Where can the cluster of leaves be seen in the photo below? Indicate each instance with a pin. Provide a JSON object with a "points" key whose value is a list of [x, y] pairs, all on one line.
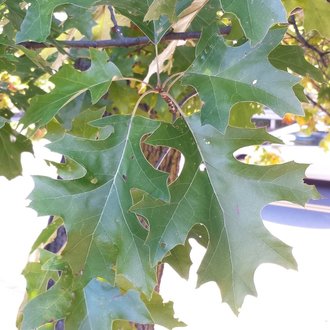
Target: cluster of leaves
{"points": [[121, 216]]}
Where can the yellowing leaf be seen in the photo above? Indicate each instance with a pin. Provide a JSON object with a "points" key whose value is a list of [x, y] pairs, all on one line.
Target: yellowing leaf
{"points": [[316, 14]]}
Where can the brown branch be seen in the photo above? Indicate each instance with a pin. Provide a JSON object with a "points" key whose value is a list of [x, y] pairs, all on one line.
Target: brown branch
{"points": [[119, 42], [305, 43], [317, 104]]}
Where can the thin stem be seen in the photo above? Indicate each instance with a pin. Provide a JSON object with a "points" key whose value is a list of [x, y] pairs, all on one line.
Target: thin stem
{"points": [[317, 104], [163, 155], [116, 28], [133, 79], [178, 74], [301, 39], [157, 64], [170, 78], [140, 99], [175, 103], [187, 98]]}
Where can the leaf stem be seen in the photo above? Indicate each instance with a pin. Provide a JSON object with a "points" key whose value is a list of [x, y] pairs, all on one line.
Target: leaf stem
{"points": [[133, 79], [116, 28], [157, 64], [141, 98], [173, 100], [178, 75]]}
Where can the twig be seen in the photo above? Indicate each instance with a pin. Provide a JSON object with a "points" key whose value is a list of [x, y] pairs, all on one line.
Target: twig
{"points": [[317, 105], [116, 28], [119, 42], [301, 39], [186, 98]]}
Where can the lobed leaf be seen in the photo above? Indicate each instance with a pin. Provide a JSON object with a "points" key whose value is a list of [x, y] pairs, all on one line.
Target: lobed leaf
{"points": [[99, 304], [104, 238], [12, 145], [256, 16], [226, 196], [293, 58], [71, 83], [159, 8], [37, 22], [224, 76]]}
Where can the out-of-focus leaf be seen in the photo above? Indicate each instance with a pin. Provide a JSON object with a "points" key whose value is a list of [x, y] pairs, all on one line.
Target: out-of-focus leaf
{"points": [[136, 10], [224, 76], [37, 22], [292, 57], [12, 144], [70, 83], [316, 14], [79, 18], [218, 191], [159, 8], [3, 121]]}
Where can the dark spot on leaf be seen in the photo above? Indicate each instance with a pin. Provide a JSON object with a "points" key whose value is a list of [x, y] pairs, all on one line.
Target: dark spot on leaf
{"points": [[124, 177]]}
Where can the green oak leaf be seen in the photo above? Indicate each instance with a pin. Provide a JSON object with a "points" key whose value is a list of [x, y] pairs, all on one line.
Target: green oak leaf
{"points": [[293, 58], [139, 11], [256, 16], [71, 83], [80, 18], [161, 7], [136, 10], [104, 238], [99, 304], [81, 126], [162, 313], [224, 76], [37, 22], [226, 196], [47, 234], [316, 14], [179, 259], [12, 145], [241, 113], [53, 304]]}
